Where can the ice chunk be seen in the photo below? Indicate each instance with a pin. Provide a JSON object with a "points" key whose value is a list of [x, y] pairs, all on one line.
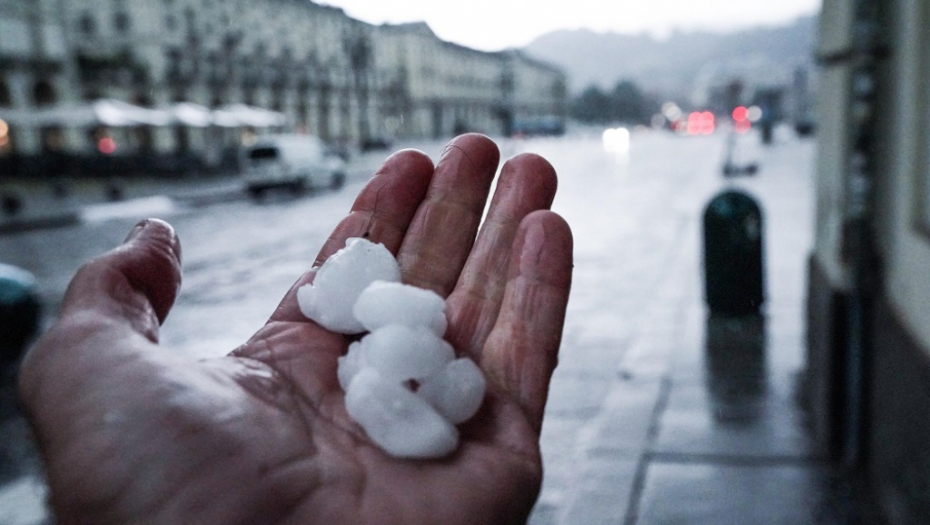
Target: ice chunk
{"points": [[397, 420], [401, 352], [456, 390], [384, 303], [349, 365], [338, 283]]}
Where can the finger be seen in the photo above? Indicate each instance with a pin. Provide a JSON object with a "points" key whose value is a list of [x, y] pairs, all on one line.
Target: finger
{"points": [[527, 183], [133, 285], [522, 349], [443, 229], [381, 213]]}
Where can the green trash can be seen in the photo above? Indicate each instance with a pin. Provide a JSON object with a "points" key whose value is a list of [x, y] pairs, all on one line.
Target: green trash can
{"points": [[733, 259], [20, 312]]}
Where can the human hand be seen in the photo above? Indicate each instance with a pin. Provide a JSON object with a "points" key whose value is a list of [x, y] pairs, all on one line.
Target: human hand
{"points": [[132, 433]]}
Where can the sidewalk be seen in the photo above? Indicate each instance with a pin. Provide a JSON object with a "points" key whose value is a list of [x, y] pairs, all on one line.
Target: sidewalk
{"points": [[696, 421], [50, 203]]}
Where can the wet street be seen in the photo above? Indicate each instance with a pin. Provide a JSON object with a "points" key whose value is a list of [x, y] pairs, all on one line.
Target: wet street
{"points": [[240, 257], [656, 415]]}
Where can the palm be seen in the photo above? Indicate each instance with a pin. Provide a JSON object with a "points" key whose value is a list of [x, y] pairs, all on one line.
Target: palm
{"points": [[262, 435]]}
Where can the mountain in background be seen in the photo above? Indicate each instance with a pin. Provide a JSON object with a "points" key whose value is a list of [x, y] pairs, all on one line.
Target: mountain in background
{"points": [[683, 66]]}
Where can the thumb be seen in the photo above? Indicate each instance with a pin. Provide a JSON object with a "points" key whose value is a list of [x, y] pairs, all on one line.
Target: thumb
{"points": [[135, 283]]}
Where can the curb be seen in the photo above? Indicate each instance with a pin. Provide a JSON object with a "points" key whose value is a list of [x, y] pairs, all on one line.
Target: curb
{"points": [[70, 218], [39, 223], [193, 199]]}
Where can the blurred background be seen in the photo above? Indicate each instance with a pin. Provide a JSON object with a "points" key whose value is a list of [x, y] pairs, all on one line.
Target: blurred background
{"points": [[746, 338]]}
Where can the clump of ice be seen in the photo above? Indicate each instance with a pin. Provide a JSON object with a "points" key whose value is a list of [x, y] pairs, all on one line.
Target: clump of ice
{"points": [[341, 279], [456, 390], [384, 303], [401, 353], [402, 423], [403, 384]]}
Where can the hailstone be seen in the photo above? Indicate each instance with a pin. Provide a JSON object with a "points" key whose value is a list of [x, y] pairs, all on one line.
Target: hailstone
{"points": [[456, 390], [397, 420], [340, 280], [384, 303]]}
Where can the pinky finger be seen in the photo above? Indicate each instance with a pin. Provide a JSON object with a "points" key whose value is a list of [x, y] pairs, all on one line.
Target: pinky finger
{"points": [[522, 350]]}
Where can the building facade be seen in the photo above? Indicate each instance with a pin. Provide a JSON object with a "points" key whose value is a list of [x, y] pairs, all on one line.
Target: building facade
{"points": [[868, 374], [35, 65], [333, 76]]}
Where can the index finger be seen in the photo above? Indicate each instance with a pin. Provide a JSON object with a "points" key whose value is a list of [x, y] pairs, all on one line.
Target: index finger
{"points": [[381, 213]]}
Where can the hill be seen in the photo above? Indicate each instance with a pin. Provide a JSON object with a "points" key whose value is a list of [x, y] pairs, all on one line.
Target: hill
{"points": [[683, 65]]}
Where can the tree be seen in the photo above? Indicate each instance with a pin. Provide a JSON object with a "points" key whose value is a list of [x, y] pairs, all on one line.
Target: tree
{"points": [[624, 103], [593, 105], [628, 103]]}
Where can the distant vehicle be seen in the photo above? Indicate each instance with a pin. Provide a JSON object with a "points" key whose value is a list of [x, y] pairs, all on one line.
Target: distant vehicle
{"points": [[296, 162], [550, 126], [20, 312]]}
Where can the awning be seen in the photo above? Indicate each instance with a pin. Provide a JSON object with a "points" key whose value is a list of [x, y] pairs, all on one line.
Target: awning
{"points": [[106, 112], [116, 113], [191, 114], [235, 115]]}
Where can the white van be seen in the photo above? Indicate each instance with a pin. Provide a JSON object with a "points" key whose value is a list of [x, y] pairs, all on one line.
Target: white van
{"points": [[297, 162]]}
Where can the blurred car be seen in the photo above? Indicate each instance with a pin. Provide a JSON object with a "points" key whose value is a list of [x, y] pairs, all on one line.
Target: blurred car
{"points": [[296, 162], [20, 312]]}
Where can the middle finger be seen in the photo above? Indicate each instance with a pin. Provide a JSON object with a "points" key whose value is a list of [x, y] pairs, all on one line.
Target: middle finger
{"points": [[443, 230]]}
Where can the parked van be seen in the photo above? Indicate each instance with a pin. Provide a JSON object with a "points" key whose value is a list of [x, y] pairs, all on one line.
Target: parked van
{"points": [[296, 162]]}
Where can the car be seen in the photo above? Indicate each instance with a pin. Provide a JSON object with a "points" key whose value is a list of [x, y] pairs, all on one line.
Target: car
{"points": [[20, 312], [293, 161]]}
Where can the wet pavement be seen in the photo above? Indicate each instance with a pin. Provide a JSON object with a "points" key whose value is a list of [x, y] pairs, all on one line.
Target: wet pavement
{"points": [[658, 412]]}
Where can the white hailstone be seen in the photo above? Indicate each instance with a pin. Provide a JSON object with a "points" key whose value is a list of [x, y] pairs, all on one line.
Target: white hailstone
{"points": [[338, 283], [397, 420], [456, 390], [400, 353], [384, 303], [349, 365]]}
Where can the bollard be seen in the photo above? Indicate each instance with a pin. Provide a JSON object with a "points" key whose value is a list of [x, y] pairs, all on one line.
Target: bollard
{"points": [[19, 312], [733, 265]]}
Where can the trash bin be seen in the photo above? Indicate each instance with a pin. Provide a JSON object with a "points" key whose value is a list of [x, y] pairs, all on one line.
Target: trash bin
{"points": [[733, 264], [19, 312]]}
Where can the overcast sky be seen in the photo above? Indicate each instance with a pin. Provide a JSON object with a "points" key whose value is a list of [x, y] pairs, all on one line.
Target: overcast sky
{"points": [[492, 25]]}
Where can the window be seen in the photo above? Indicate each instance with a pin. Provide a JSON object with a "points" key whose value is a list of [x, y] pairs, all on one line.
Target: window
{"points": [[86, 25], [121, 22], [5, 99]]}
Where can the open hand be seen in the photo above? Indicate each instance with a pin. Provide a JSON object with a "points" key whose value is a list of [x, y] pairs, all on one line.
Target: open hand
{"points": [[132, 433]]}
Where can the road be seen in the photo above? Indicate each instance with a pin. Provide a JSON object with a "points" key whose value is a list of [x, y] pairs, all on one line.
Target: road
{"points": [[632, 215], [241, 256]]}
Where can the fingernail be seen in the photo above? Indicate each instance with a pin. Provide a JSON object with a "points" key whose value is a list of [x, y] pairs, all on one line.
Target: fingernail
{"points": [[137, 230], [153, 229]]}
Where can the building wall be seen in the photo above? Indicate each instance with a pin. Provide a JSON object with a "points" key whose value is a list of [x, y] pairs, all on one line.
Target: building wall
{"points": [[900, 386], [34, 69], [903, 221], [895, 300], [334, 76], [829, 280]]}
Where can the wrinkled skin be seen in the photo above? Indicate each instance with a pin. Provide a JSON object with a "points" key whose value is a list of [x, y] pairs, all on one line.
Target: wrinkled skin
{"points": [[132, 433]]}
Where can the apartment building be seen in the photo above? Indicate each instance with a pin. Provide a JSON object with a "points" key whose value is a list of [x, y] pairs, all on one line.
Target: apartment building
{"points": [[331, 75]]}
